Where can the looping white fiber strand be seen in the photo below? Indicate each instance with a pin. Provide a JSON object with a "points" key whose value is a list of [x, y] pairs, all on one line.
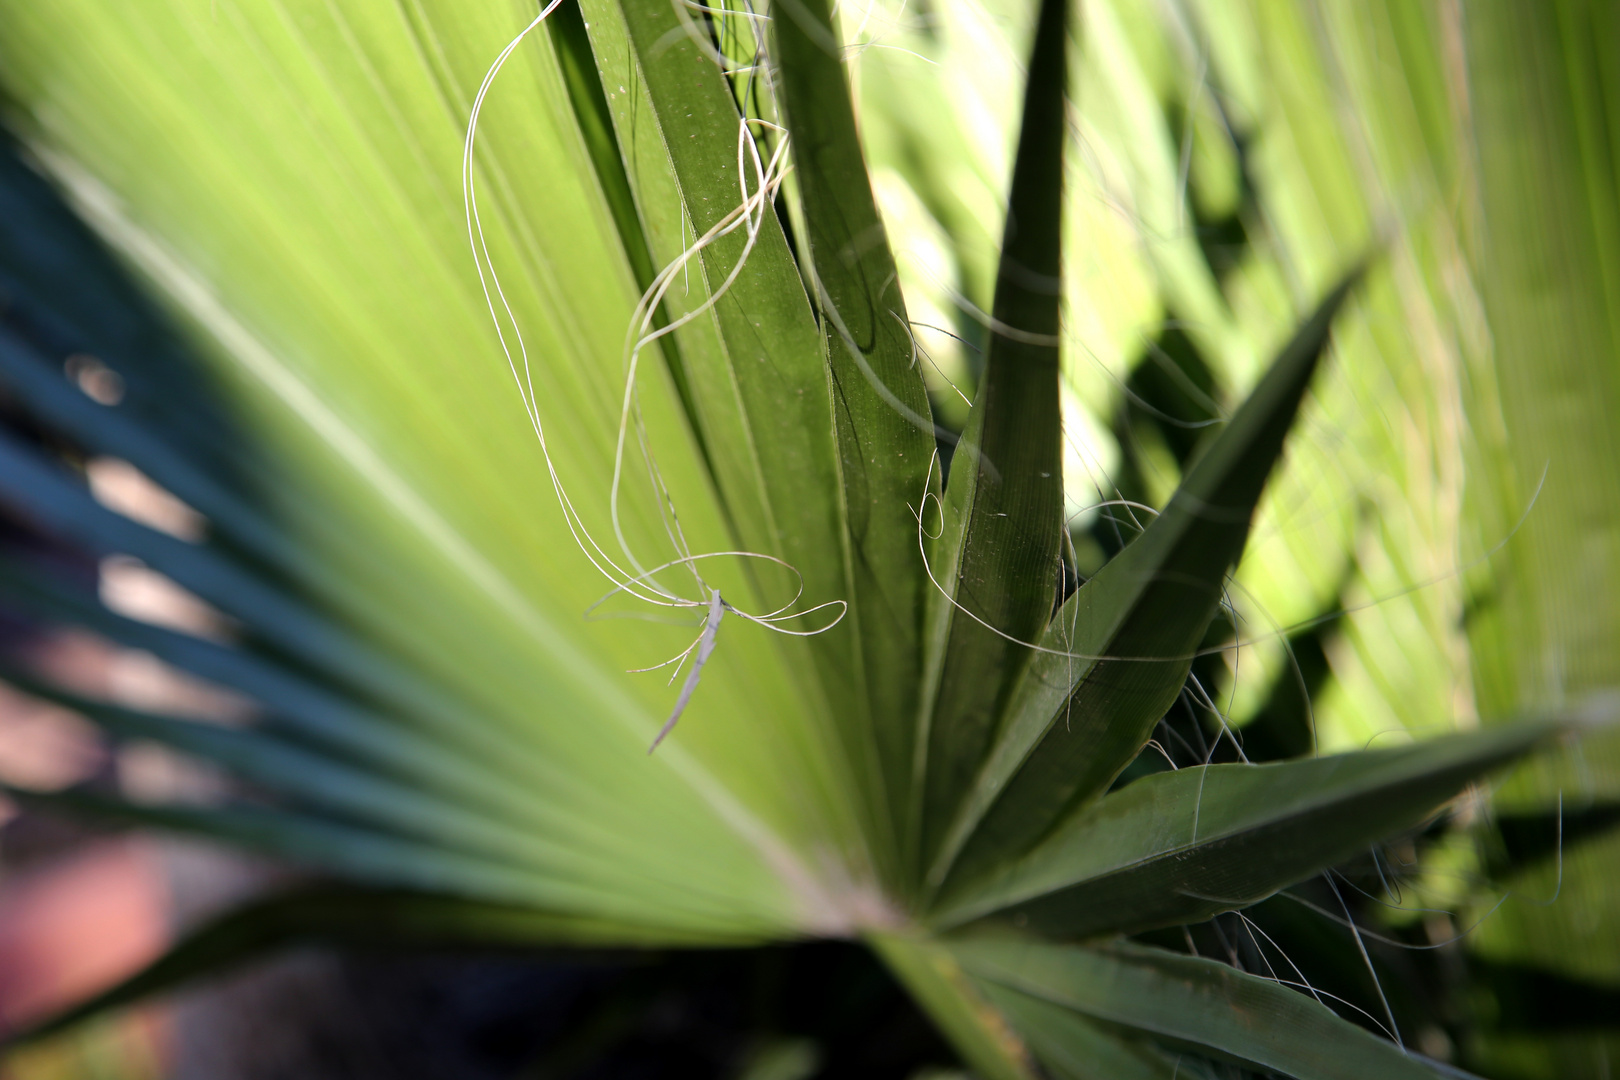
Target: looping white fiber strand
{"points": [[705, 45], [758, 179], [922, 536]]}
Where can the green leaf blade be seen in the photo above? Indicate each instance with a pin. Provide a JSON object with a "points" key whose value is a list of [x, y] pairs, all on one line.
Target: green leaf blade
{"points": [[756, 366], [997, 563], [1189, 1000], [286, 177], [1074, 1048], [1181, 847], [880, 404], [455, 809], [974, 1027], [1120, 647]]}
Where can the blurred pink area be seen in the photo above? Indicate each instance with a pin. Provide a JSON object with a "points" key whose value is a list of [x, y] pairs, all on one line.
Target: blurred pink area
{"points": [[78, 924], [80, 908], [44, 746], [78, 911]]}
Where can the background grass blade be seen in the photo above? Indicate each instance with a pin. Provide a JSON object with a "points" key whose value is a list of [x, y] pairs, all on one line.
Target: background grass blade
{"points": [[880, 405], [1180, 847], [1078, 720], [1196, 1002], [997, 559]]}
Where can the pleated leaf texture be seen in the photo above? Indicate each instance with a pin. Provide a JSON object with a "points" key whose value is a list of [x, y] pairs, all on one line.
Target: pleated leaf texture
{"points": [[254, 216]]}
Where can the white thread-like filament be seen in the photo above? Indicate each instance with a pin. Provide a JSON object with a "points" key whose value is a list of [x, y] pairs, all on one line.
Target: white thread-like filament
{"points": [[758, 179]]}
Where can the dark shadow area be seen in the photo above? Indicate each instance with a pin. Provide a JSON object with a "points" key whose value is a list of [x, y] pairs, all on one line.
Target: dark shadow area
{"points": [[1529, 999], [829, 1009], [1528, 838], [1223, 240]]}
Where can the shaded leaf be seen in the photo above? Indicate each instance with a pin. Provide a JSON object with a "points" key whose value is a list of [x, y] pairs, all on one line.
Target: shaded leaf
{"points": [[978, 1032], [997, 557], [296, 702], [1196, 1002], [425, 807], [56, 500], [388, 859], [39, 385], [1180, 847], [1073, 1048], [880, 405]]}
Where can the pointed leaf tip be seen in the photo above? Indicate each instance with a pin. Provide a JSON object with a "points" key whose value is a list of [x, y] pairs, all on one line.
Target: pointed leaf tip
{"points": [[1117, 653], [881, 415], [997, 562], [1180, 847]]}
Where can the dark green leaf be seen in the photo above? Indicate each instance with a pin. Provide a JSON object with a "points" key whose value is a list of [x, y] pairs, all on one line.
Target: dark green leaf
{"points": [[1196, 1002], [997, 558], [571, 40], [990, 1046], [1073, 1048], [1179, 847], [1120, 647], [766, 371], [880, 406]]}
